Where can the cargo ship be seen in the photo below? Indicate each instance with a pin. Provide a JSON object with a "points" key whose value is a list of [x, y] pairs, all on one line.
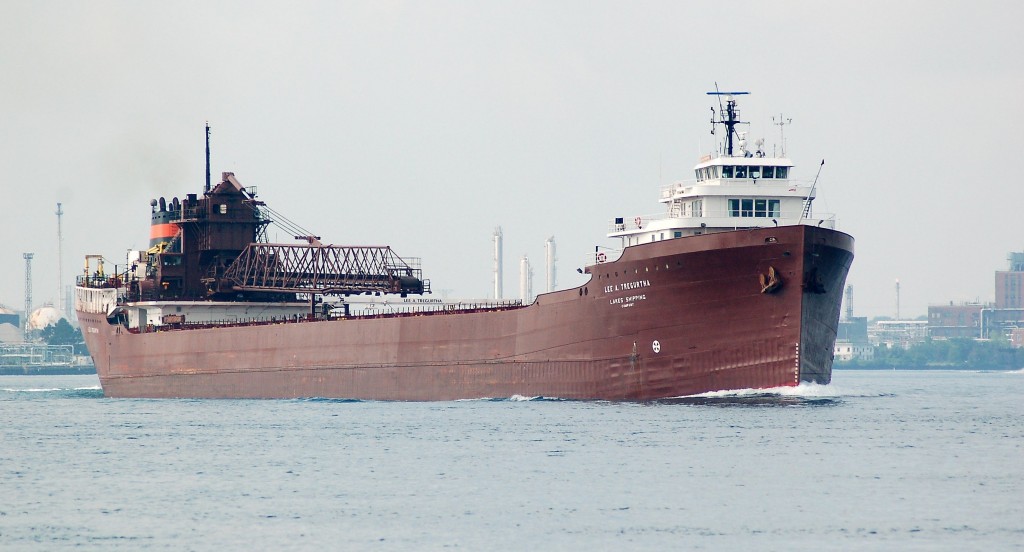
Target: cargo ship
{"points": [[737, 284]]}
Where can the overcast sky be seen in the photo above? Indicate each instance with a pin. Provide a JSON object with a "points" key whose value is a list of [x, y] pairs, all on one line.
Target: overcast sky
{"points": [[423, 125]]}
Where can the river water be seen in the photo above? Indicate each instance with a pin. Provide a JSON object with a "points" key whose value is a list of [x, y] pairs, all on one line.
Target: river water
{"points": [[912, 460]]}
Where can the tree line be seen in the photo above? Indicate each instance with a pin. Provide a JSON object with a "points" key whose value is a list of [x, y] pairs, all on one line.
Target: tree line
{"points": [[962, 353], [63, 333]]}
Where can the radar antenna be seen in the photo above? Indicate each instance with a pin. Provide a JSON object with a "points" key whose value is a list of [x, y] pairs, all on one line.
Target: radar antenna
{"points": [[782, 135], [731, 116]]}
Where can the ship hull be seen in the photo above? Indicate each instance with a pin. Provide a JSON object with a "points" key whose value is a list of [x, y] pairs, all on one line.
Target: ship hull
{"points": [[667, 319]]}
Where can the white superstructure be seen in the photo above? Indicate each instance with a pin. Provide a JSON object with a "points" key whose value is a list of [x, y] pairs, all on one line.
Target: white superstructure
{"points": [[732, 189]]}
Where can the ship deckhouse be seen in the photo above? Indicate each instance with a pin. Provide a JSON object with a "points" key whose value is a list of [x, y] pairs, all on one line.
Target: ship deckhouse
{"points": [[733, 189]]}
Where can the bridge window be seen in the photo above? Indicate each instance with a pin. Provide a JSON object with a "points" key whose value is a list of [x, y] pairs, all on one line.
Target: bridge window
{"points": [[768, 172], [781, 172], [726, 171], [741, 171], [755, 172], [761, 208]]}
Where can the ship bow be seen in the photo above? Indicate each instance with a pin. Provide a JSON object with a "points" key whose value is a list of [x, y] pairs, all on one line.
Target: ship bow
{"points": [[827, 258]]}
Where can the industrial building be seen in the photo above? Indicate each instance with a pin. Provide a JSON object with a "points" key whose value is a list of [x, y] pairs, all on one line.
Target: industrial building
{"points": [[852, 340], [1004, 318], [852, 335]]}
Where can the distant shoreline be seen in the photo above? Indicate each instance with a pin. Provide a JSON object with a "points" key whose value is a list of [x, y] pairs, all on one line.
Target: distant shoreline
{"points": [[844, 366]]}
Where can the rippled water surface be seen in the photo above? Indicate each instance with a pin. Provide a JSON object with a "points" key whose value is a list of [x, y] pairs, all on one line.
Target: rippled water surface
{"points": [[876, 460]]}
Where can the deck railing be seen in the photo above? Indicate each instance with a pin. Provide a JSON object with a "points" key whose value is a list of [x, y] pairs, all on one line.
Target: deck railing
{"points": [[724, 218]]}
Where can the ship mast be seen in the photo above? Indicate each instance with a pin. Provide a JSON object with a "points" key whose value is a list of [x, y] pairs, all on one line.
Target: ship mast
{"points": [[729, 116]]}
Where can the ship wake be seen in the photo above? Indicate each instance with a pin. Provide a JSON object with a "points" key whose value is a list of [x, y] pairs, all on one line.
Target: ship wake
{"points": [[805, 394], [90, 392], [513, 398]]}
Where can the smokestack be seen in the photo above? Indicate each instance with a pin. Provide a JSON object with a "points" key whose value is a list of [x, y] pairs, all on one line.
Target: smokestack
{"points": [[549, 262], [497, 263], [60, 261], [207, 156], [28, 290], [525, 280], [849, 303], [897, 299]]}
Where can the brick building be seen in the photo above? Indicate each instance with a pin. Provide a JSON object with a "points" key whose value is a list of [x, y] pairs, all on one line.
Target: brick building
{"points": [[948, 321]]}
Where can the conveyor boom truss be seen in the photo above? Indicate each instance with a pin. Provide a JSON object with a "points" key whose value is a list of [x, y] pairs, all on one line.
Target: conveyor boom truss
{"points": [[318, 268]]}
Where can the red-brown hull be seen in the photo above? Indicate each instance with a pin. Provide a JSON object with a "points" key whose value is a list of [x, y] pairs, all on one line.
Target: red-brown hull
{"points": [[669, 318]]}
